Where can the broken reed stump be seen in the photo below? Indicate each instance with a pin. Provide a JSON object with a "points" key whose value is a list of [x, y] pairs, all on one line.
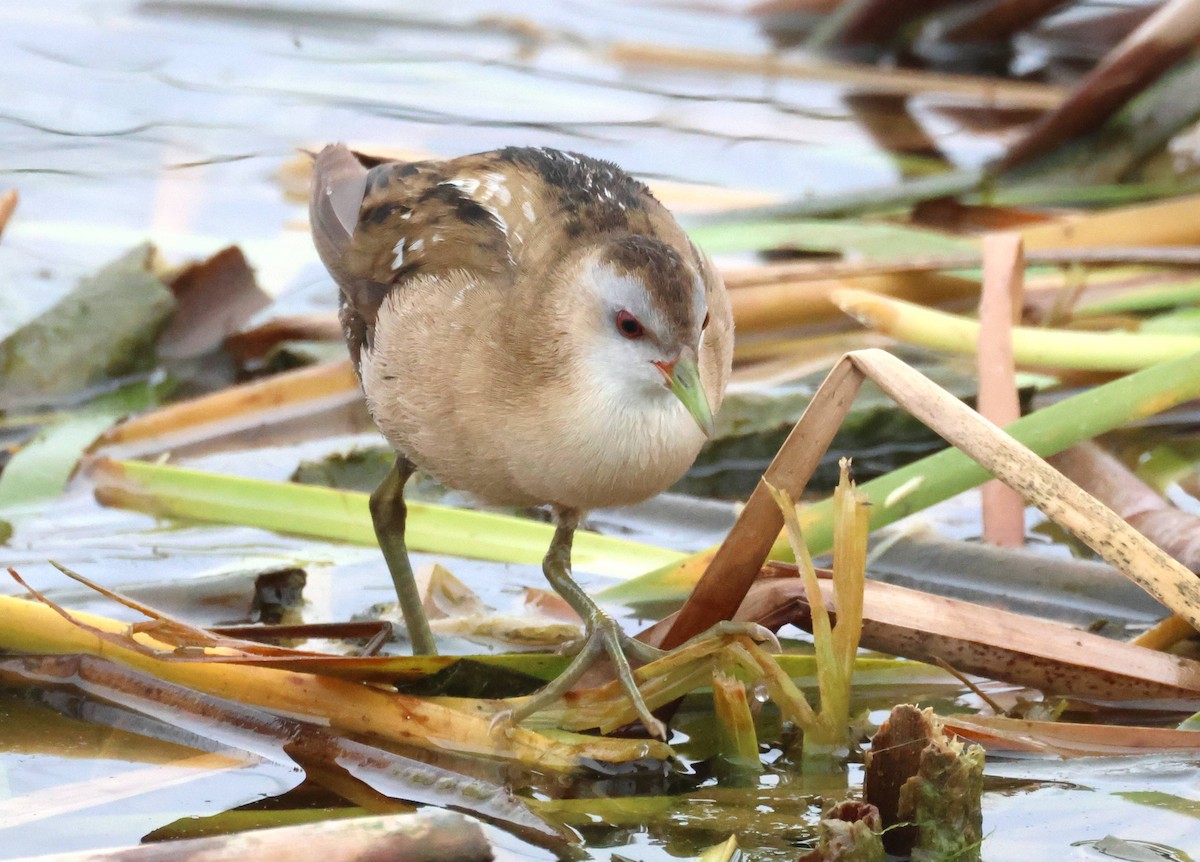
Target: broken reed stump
{"points": [[849, 832], [927, 786]]}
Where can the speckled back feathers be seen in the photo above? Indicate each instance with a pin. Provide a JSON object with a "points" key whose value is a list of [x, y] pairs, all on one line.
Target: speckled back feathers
{"points": [[496, 213]]}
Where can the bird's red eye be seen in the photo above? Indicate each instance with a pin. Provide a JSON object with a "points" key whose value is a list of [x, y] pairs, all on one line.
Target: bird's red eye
{"points": [[629, 325]]}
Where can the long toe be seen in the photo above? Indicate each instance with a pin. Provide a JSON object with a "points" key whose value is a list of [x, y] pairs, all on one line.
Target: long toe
{"points": [[603, 636], [727, 628]]}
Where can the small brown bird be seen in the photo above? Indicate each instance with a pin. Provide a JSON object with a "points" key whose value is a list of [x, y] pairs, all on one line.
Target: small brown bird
{"points": [[531, 326]]}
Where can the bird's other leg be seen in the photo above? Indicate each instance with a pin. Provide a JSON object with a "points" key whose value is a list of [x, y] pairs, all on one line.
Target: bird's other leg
{"points": [[602, 634], [389, 514]]}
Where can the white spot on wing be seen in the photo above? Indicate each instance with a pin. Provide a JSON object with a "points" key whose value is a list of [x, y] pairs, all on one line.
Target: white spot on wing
{"points": [[467, 185], [527, 208], [398, 248], [494, 187], [416, 245]]}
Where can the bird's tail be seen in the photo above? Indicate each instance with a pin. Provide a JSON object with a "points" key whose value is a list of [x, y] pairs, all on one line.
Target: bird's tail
{"points": [[338, 184]]}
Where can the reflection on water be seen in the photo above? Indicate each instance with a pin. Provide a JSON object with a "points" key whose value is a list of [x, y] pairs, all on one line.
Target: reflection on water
{"points": [[177, 115]]}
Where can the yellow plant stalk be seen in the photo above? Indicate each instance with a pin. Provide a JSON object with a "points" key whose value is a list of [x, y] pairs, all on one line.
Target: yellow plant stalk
{"points": [[32, 627], [835, 645], [1051, 348], [735, 722], [852, 523]]}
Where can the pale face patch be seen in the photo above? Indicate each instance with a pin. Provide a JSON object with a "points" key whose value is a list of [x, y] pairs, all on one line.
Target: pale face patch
{"points": [[618, 291], [626, 366]]}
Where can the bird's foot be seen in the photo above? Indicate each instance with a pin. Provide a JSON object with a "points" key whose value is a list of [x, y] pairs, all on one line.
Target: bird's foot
{"points": [[501, 723], [633, 648], [603, 635]]}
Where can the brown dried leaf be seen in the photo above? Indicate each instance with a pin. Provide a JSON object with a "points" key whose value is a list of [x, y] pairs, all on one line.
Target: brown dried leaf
{"points": [[214, 298], [1000, 645], [257, 342], [1068, 739], [1166, 37]]}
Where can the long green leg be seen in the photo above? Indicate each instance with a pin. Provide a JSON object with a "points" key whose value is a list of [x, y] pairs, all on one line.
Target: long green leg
{"points": [[602, 634], [389, 514]]}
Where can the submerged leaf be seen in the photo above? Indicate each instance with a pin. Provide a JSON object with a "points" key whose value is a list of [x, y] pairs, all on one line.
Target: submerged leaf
{"points": [[106, 327], [469, 678], [1167, 801], [40, 469], [1129, 850]]}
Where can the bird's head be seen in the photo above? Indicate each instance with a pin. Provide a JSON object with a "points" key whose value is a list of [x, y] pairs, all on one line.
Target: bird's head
{"points": [[648, 317]]}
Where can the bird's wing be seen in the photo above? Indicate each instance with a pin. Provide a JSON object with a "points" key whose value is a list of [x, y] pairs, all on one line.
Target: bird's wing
{"points": [[489, 215], [380, 227]]}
